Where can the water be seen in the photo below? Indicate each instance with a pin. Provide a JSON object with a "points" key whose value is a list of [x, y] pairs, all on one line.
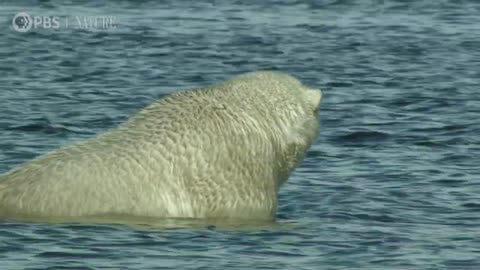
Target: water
{"points": [[391, 183]]}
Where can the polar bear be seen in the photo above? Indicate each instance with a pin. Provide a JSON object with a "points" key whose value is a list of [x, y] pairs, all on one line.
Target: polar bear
{"points": [[218, 152]]}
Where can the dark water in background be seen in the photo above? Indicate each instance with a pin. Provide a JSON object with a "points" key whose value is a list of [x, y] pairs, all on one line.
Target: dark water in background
{"points": [[392, 182]]}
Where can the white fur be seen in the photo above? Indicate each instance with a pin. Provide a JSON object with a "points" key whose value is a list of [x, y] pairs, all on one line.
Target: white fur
{"points": [[218, 152]]}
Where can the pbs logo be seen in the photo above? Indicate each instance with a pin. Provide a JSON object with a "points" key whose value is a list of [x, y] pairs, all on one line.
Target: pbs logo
{"points": [[23, 22]]}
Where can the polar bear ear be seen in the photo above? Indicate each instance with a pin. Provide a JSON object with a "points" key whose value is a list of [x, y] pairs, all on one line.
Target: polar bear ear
{"points": [[314, 98]]}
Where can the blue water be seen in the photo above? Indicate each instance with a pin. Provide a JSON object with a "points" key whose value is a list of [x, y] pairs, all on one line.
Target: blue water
{"points": [[393, 181]]}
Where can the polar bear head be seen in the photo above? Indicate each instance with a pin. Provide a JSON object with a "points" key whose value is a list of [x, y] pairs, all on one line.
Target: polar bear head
{"points": [[285, 109]]}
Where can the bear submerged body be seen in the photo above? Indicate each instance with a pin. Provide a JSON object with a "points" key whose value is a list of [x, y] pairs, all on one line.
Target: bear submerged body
{"points": [[217, 152]]}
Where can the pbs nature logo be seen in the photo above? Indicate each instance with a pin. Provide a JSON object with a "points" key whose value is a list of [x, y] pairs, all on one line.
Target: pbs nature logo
{"points": [[23, 22]]}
